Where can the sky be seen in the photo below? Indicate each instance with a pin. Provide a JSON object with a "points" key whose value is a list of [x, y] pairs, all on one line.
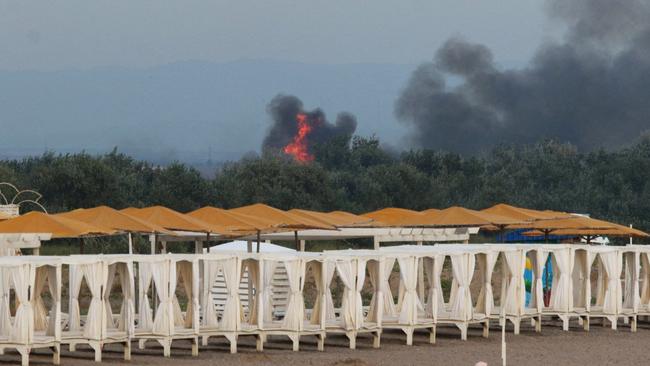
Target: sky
{"points": [[81, 34], [185, 79]]}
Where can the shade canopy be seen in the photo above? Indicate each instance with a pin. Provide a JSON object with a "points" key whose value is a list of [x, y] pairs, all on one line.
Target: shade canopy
{"points": [[460, 216], [281, 219], [583, 226], [174, 220], [58, 226], [108, 217], [232, 221], [4, 216], [337, 218], [524, 214], [393, 216]]}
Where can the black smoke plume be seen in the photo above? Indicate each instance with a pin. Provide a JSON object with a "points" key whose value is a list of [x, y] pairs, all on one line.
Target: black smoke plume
{"points": [[283, 110], [591, 89]]}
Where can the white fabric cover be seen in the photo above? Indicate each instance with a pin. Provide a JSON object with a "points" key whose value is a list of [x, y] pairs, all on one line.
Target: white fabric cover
{"points": [[232, 307], [515, 295], [538, 259], [323, 273], [23, 278], [94, 326], [164, 278], [435, 300], [561, 295], [145, 316], [631, 299], [610, 261], [463, 269], [485, 301], [293, 318], [210, 273], [408, 269]]}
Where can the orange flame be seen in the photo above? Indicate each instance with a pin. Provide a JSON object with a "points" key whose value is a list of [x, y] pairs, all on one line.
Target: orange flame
{"points": [[298, 147]]}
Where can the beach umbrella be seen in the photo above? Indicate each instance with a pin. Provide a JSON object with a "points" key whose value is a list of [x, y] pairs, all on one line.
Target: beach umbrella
{"points": [[393, 216], [282, 219], [524, 214], [352, 219], [233, 221], [337, 218], [460, 216], [174, 220], [111, 218], [58, 226]]}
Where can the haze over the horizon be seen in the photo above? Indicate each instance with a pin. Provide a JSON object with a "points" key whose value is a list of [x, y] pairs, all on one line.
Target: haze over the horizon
{"points": [[186, 78]]}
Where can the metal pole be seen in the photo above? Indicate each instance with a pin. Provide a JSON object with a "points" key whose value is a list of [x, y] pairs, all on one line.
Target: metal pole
{"points": [[259, 240], [130, 236], [296, 241]]}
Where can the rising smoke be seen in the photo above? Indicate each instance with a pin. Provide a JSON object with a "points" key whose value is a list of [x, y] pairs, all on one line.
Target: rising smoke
{"points": [[591, 89], [284, 110]]}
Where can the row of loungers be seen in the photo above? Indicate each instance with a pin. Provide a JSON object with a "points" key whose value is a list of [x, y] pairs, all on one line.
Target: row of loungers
{"points": [[168, 297]]}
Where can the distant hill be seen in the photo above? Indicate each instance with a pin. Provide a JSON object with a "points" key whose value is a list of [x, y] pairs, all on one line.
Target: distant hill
{"points": [[190, 111]]}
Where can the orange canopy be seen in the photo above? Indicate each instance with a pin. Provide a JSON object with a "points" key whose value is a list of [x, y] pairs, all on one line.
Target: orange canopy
{"points": [[233, 221], [282, 219], [460, 216], [581, 225], [108, 217], [336, 218], [393, 216], [524, 214], [352, 219], [174, 220], [58, 226], [590, 232]]}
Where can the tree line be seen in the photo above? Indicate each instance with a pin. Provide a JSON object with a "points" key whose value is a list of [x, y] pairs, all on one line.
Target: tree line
{"points": [[358, 175]]}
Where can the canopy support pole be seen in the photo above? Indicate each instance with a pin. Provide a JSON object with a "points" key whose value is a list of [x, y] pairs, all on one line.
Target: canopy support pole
{"points": [[303, 245], [130, 238], [420, 276], [249, 246], [296, 241], [259, 240], [82, 245], [152, 242]]}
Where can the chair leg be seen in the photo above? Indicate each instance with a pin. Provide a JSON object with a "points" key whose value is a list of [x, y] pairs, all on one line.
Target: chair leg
{"points": [[352, 337], [295, 339], [142, 343], [195, 346], [127, 350], [98, 351], [321, 341], [56, 354], [376, 339], [259, 342], [204, 340], [517, 324], [585, 324], [24, 355], [538, 324], [463, 331], [232, 339], [486, 329], [409, 336], [432, 335]]}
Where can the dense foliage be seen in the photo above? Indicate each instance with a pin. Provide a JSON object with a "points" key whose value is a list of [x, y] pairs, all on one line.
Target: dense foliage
{"points": [[358, 176]]}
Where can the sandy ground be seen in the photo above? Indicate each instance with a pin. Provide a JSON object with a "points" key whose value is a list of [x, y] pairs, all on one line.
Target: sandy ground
{"points": [[600, 346]]}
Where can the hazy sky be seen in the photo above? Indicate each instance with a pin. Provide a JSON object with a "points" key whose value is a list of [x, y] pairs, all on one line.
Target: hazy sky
{"points": [[71, 34]]}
